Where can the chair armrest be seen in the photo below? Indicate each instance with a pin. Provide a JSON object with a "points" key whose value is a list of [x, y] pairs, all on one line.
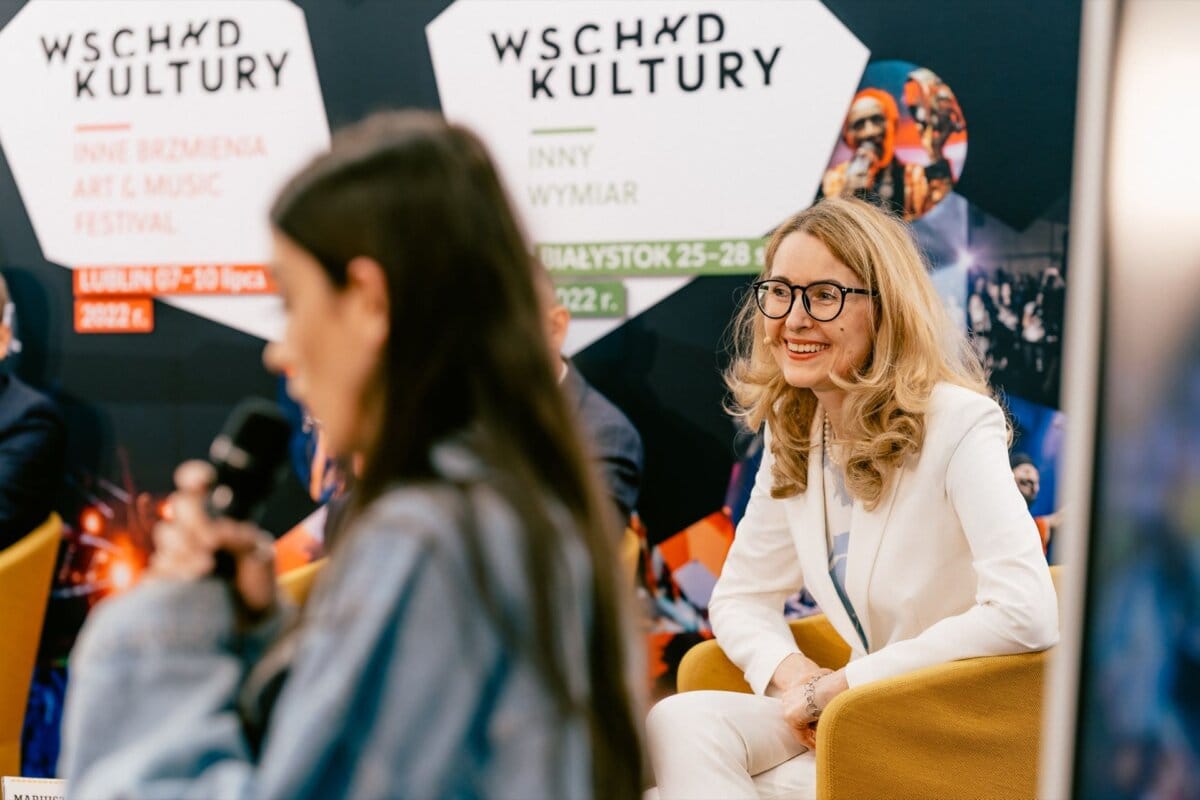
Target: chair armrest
{"points": [[962, 729], [817, 639], [296, 584], [706, 666]]}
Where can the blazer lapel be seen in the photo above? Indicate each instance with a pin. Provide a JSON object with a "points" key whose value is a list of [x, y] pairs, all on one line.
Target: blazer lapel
{"points": [[806, 512], [866, 535]]}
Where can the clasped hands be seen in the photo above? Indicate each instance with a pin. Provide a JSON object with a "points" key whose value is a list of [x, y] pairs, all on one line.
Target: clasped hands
{"points": [[792, 678]]}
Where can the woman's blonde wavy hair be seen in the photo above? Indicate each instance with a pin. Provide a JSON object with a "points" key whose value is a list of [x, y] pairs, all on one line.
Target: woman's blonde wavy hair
{"points": [[914, 347]]}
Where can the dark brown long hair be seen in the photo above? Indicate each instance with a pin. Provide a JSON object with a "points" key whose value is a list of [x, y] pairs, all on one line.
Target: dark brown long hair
{"points": [[466, 350]]}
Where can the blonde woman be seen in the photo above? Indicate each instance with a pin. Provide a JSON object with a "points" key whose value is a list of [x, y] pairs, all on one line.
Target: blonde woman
{"points": [[884, 490]]}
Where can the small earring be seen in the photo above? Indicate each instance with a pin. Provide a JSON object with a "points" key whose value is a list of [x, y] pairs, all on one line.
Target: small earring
{"points": [[768, 341]]}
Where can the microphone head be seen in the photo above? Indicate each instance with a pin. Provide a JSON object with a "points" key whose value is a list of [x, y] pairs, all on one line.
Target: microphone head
{"points": [[248, 455], [868, 149]]}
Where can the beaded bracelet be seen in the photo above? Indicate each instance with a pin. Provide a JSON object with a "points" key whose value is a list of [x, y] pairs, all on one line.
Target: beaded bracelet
{"points": [[810, 693]]}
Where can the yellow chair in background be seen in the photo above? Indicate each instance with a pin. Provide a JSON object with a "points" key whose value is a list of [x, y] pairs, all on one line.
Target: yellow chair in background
{"points": [[631, 551], [26, 574], [964, 729], [297, 583]]}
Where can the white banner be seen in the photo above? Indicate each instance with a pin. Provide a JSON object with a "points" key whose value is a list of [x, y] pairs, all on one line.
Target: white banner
{"points": [[674, 130], [156, 134]]}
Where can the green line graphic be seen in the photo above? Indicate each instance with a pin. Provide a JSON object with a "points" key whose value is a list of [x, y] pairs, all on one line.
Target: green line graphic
{"points": [[557, 131]]}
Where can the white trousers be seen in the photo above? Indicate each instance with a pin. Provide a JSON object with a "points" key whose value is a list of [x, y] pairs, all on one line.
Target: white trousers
{"points": [[727, 746]]}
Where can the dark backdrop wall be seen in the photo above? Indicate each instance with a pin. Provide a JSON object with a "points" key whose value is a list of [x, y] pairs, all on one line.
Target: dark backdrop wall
{"points": [[138, 404]]}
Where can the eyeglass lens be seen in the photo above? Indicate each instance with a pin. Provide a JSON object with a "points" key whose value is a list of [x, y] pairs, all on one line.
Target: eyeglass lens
{"points": [[823, 301]]}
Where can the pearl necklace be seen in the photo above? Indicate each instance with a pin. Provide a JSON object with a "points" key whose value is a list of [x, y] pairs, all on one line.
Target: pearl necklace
{"points": [[827, 440]]}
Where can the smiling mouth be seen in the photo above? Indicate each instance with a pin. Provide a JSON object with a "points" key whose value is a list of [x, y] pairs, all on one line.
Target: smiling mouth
{"points": [[806, 348]]}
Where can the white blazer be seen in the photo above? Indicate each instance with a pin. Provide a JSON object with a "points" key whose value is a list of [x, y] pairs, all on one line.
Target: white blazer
{"points": [[949, 565]]}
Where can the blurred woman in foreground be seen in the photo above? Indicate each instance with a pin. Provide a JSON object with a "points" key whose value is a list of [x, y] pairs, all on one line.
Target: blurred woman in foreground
{"points": [[465, 640]]}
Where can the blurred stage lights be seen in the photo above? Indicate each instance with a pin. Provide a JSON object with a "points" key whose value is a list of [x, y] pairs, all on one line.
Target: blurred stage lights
{"points": [[92, 521]]}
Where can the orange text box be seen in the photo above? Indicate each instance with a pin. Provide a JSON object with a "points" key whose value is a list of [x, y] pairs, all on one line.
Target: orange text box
{"points": [[218, 279], [114, 315]]}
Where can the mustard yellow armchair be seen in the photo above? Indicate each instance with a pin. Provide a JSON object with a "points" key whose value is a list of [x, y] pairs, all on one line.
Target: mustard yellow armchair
{"points": [[630, 552], [965, 729], [26, 573], [295, 584]]}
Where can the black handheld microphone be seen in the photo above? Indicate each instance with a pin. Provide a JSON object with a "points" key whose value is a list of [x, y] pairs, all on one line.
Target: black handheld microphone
{"points": [[248, 455]]}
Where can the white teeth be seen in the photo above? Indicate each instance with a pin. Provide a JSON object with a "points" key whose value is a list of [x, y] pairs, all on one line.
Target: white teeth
{"points": [[807, 348]]}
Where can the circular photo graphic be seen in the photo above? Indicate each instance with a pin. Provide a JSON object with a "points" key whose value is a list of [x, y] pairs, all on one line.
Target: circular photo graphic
{"points": [[903, 142]]}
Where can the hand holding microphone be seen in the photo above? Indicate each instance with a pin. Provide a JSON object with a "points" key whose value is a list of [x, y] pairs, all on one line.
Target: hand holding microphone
{"points": [[859, 171], [207, 531]]}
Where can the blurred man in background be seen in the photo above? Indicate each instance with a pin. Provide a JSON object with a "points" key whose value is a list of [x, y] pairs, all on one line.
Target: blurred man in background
{"points": [[32, 444], [614, 442], [1029, 483]]}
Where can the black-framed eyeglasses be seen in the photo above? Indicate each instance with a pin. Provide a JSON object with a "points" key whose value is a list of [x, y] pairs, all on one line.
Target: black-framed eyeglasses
{"points": [[822, 300]]}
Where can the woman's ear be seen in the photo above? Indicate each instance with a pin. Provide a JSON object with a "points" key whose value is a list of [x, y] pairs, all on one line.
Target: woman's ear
{"points": [[366, 299]]}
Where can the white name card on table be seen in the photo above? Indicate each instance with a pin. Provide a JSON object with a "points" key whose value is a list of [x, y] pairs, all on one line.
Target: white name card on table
{"points": [[14, 788]]}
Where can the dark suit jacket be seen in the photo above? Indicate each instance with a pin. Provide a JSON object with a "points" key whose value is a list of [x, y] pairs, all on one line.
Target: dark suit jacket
{"points": [[32, 453], [614, 441]]}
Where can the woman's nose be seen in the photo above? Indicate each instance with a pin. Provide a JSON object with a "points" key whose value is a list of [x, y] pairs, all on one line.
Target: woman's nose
{"points": [[798, 317]]}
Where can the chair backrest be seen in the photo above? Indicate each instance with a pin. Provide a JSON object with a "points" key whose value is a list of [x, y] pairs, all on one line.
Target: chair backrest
{"points": [[296, 584], [1058, 574], [631, 550], [26, 574]]}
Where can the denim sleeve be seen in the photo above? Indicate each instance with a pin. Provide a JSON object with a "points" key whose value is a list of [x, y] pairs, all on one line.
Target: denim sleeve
{"points": [[150, 706], [399, 686]]}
